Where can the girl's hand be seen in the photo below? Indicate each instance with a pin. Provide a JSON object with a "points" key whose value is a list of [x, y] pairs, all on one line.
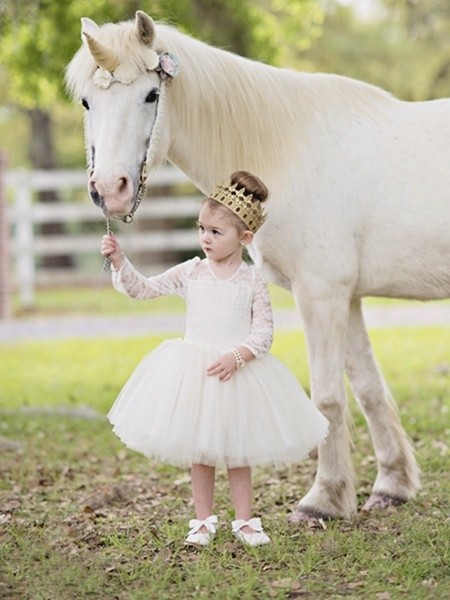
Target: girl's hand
{"points": [[110, 247], [224, 367]]}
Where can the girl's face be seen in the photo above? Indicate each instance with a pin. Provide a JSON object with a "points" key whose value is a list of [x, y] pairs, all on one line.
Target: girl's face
{"points": [[218, 235]]}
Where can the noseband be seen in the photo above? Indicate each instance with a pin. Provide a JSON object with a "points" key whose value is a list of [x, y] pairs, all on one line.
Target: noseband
{"points": [[139, 195]]}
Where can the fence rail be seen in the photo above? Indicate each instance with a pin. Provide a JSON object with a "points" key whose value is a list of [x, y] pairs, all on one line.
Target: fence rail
{"points": [[28, 245]]}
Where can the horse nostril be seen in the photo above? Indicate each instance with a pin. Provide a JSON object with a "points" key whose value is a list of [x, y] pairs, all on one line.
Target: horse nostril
{"points": [[97, 199], [93, 192], [123, 187], [110, 192]]}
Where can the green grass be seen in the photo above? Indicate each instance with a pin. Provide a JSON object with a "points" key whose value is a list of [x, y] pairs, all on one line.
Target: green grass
{"points": [[75, 371], [104, 300], [82, 517], [100, 300]]}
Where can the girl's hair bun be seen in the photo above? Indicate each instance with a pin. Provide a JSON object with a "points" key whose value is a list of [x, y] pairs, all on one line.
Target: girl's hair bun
{"points": [[251, 184]]}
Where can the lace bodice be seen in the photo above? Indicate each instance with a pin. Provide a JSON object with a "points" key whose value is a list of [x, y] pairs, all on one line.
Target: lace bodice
{"points": [[220, 312]]}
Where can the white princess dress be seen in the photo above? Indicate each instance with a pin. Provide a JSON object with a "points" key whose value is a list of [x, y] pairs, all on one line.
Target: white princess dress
{"points": [[170, 410]]}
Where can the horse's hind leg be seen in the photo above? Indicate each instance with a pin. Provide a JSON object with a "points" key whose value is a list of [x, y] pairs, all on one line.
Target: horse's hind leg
{"points": [[398, 474]]}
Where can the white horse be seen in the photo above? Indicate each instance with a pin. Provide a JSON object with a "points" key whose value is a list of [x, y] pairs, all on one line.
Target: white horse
{"points": [[360, 203]]}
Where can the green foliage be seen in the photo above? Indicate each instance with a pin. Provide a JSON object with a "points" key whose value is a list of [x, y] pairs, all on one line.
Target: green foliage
{"points": [[283, 28], [404, 48], [39, 39], [426, 25]]}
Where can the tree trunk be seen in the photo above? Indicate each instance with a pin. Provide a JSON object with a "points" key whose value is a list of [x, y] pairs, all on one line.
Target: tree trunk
{"points": [[42, 156]]}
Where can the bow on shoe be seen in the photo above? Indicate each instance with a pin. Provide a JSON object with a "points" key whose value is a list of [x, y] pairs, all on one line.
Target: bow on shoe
{"points": [[199, 538], [257, 537], [254, 523], [209, 523]]}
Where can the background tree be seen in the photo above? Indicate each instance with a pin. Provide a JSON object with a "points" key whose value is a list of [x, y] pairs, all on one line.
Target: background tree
{"points": [[426, 24], [403, 47]]}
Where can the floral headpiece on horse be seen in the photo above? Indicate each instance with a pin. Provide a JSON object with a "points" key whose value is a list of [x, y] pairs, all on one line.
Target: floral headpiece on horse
{"points": [[110, 70]]}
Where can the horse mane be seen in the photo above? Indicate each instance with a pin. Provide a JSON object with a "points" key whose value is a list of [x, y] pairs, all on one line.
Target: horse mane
{"points": [[250, 115], [246, 114]]}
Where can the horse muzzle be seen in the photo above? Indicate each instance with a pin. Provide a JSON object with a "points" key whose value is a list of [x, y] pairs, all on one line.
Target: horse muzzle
{"points": [[113, 194]]}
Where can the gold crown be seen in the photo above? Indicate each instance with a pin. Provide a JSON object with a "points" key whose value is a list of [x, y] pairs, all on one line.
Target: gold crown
{"points": [[251, 213]]}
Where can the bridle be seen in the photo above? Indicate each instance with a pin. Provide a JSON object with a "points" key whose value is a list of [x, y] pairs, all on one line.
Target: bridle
{"points": [[146, 166], [168, 68]]}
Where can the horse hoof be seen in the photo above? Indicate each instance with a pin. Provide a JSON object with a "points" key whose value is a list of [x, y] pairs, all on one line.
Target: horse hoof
{"points": [[382, 502], [311, 521], [298, 517]]}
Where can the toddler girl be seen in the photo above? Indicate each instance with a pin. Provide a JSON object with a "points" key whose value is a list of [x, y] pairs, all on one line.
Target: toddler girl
{"points": [[216, 397]]}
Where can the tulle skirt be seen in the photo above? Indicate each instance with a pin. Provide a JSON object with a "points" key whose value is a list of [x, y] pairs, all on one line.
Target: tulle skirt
{"points": [[170, 410]]}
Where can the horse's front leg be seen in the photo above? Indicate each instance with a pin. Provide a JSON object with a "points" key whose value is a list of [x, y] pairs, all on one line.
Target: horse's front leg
{"points": [[398, 474], [325, 319]]}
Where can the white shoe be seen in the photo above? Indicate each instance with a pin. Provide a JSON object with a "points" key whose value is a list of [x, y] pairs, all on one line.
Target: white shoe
{"points": [[257, 538], [199, 538]]}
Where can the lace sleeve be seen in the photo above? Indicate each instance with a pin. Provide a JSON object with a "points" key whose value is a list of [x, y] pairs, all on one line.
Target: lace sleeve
{"points": [[260, 337], [130, 282]]}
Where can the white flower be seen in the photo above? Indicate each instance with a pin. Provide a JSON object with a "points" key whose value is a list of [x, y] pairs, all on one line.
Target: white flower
{"points": [[103, 78], [151, 60]]}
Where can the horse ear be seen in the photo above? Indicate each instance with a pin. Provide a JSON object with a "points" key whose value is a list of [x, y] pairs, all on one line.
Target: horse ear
{"points": [[88, 26], [145, 27]]}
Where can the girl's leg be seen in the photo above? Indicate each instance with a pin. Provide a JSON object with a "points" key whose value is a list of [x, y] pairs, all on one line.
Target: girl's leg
{"points": [[202, 529], [202, 477], [241, 493]]}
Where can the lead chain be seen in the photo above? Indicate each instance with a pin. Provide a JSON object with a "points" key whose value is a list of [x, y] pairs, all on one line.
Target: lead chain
{"points": [[107, 261]]}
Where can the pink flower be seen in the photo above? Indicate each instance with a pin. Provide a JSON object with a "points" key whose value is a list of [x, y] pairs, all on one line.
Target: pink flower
{"points": [[168, 65]]}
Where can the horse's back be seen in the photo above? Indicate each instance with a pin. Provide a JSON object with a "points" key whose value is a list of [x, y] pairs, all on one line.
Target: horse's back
{"points": [[405, 247], [383, 196]]}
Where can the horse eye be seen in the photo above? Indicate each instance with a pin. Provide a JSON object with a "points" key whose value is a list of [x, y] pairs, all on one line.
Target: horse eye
{"points": [[84, 102], [152, 95]]}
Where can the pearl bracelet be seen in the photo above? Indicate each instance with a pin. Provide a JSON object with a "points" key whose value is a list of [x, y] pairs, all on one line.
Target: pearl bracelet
{"points": [[240, 362]]}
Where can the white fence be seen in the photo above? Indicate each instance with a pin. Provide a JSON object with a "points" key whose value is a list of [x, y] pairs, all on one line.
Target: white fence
{"points": [[28, 245]]}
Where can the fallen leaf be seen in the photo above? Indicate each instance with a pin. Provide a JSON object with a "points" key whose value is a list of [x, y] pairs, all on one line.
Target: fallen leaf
{"points": [[286, 582], [4, 518], [11, 505]]}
